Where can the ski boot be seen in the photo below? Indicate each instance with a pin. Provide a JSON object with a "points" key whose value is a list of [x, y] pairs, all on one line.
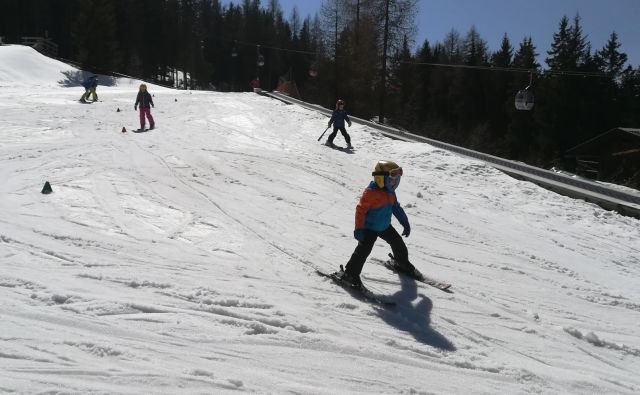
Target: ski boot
{"points": [[353, 280]]}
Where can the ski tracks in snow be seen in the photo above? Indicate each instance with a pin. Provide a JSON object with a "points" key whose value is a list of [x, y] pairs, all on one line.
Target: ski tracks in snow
{"points": [[184, 245]]}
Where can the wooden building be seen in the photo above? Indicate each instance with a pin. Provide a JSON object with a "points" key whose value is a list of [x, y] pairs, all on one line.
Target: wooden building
{"points": [[613, 156]]}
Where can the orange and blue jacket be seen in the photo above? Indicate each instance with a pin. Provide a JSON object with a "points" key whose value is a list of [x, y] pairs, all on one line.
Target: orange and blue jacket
{"points": [[374, 210]]}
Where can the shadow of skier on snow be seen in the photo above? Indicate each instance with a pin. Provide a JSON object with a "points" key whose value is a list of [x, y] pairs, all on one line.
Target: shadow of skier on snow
{"points": [[75, 78], [414, 319]]}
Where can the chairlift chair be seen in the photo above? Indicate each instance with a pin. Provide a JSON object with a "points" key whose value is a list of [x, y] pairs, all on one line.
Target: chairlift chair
{"points": [[260, 60], [313, 70], [234, 50], [524, 98]]}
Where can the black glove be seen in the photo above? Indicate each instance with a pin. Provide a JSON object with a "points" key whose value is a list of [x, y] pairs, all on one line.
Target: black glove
{"points": [[135, 108], [407, 230], [358, 234]]}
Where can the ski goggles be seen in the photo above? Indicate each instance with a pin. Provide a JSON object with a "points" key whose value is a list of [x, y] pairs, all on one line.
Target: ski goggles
{"points": [[392, 173], [394, 181]]}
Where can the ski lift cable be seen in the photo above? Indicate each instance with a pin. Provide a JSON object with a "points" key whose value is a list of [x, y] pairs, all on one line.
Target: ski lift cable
{"points": [[510, 69], [458, 66], [248, 44], [465, 66]]}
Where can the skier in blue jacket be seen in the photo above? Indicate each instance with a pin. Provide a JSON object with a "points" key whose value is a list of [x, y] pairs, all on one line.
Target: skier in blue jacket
{"points": [[338, 119], [90, 85]]}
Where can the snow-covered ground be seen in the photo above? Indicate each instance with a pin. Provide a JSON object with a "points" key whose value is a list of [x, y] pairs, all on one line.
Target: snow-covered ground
{"points": [[182, 260]]}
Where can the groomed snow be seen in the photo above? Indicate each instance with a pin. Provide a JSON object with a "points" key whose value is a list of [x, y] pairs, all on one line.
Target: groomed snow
{"points": [[182, 260]]}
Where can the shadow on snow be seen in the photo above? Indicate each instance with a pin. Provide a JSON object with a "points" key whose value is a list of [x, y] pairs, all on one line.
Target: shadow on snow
{"points": [[76, 78], [414, 319]]}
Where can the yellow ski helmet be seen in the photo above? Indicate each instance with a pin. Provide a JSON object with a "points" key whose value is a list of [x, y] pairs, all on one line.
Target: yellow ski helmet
{"points": [[383, 170]]}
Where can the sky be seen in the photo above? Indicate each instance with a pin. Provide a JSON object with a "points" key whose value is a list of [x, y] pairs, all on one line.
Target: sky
{"points": [[519, 18], [183, 259]]}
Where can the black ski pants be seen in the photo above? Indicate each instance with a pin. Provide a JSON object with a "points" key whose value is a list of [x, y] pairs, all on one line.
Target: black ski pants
{"points": [[364, 247], [342, 130]]}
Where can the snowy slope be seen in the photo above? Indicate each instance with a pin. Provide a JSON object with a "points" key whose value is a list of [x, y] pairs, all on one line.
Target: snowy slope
{"points": [[23, 67], [182, 260]]}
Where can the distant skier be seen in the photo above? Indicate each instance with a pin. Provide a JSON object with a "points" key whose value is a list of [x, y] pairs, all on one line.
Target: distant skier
{"points": [[338, 119], [90, 84], [144, 100], [255, 84], [373, 220]]}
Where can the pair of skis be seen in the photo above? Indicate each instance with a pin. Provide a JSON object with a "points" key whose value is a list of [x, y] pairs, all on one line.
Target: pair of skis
{"points": [[339, 148], [361, 292], [392, 265], [367, 295]]}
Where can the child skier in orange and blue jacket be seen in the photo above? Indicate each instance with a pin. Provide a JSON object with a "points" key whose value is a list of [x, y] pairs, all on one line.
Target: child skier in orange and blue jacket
{"points": [[373, 220]]}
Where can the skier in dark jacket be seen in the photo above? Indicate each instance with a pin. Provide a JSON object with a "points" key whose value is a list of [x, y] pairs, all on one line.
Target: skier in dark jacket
{"points": [[90, 85], [373, 220], [144, 100], [338, 119]]}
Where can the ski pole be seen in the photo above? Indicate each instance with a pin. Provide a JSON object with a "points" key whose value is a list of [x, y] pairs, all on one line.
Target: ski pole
{"points": [[325, 131]]}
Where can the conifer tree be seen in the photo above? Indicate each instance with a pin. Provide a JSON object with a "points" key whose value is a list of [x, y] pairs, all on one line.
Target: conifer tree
{"points": [[569, 116], [525, 56], [470, 91], [395, 22], [559, 53], [402, 83], [504, 56], [474, 49], [500, 96], [95, 35], [630, 98], [422, 96], [452, 48], [610, 59]]}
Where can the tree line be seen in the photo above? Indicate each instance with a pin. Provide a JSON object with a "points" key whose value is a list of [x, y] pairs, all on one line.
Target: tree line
{"points": [[455, 90]]}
